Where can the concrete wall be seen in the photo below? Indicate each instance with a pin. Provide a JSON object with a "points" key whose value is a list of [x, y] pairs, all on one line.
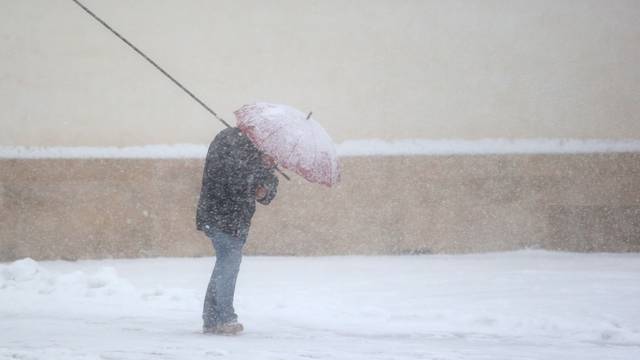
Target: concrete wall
{"points": [[367, 68], [73, 209], [387, 69]]}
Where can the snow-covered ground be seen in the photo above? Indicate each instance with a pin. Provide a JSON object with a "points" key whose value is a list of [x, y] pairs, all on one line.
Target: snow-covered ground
{"points": [[522, 305]]}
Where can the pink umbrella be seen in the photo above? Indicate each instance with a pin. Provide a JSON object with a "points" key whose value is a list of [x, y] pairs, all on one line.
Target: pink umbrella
{"points": [[294, 139]]}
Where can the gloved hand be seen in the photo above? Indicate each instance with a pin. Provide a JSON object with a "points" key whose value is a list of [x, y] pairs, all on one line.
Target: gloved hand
{"points": [[268, 190]]}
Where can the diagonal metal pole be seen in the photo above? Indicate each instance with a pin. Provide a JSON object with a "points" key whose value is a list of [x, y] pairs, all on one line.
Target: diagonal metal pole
{"points": [[152, 62], [160, 69]]}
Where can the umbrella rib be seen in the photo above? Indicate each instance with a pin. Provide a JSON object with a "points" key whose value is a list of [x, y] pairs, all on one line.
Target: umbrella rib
{"points": [[273, 133], [294, 149]]}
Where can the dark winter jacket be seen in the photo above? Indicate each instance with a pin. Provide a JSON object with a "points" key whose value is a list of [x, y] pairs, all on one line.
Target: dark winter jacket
{"points": [[232, 172]]}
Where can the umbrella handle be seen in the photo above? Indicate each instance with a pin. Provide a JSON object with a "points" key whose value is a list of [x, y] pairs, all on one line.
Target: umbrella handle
{"points": [[283, 174]]}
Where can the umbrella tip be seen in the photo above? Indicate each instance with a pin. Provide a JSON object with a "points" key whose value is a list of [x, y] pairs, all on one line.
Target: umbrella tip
{"points": [[309, 116]]}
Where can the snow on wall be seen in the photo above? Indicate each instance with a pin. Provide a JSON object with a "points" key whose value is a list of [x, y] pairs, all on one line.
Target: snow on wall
{"points": [[485, 147], [372, 147], [85, 152]]}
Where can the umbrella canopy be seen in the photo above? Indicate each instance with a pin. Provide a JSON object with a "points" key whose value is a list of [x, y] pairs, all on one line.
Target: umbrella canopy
{"points": [[296, 141]]}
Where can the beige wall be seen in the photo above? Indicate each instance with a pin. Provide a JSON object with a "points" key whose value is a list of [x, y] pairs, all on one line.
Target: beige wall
{"points": [[81, 208], [368, 69], [388, 69]]}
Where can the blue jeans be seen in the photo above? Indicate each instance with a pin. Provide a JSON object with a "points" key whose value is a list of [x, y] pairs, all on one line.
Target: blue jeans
{"points": [[218, 302]]}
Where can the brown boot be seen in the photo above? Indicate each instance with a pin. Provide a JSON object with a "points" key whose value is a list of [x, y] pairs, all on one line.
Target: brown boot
{"points": [[230, 328]]}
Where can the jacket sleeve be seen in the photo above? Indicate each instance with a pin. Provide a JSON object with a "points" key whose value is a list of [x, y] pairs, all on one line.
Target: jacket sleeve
{"points": [[240, 169]]}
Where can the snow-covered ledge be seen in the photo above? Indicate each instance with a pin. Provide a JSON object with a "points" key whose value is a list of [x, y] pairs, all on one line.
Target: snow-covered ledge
{"points": [[485, 147], [370, 147], [177, 151]]}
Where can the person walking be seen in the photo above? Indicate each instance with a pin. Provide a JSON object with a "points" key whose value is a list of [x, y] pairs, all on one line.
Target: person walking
{"points": [[236, 175]]}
